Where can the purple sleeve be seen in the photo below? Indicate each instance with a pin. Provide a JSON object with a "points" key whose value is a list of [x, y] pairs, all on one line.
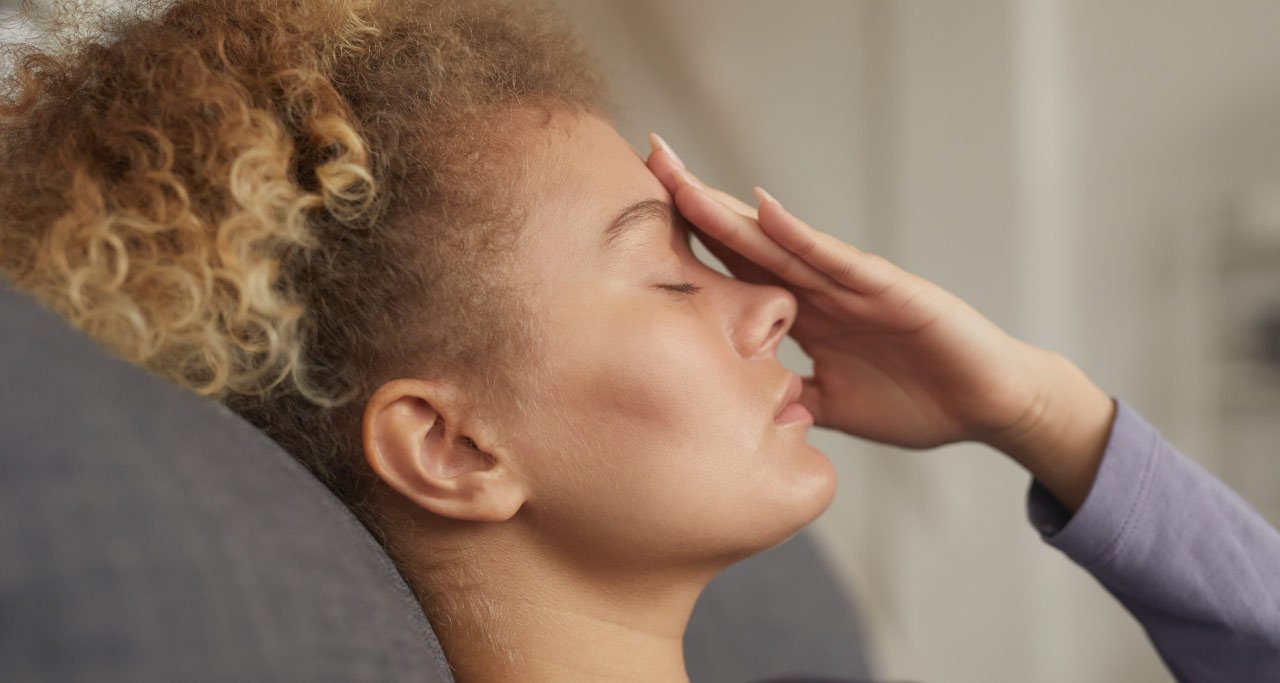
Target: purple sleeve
{"points": [[1192, 561]]}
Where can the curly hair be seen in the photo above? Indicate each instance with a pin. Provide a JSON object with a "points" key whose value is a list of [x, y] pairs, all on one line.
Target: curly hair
{"points": [[281, 204]]}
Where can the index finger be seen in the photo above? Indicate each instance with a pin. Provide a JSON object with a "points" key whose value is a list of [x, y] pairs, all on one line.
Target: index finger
{"points": [[663, 163], [743, 235]]}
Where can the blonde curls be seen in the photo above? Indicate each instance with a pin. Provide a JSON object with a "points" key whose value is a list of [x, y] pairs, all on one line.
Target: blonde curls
{"points": [[126, 255], [275, 204]]}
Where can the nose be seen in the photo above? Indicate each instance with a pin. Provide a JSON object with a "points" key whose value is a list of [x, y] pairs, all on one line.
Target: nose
{"points": [[772, 313]]}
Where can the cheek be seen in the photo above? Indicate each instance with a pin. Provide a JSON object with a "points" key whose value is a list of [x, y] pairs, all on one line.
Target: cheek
{"points": [[657, 373], [648, 393], [655, 449], [664, 398]]}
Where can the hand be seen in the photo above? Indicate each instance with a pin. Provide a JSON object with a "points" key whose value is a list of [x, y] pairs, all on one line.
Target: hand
{"points": [[896, 358]]}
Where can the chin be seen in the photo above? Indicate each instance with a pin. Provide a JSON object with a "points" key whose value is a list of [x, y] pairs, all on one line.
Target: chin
{"points": [[819, 482], [818, 494]]}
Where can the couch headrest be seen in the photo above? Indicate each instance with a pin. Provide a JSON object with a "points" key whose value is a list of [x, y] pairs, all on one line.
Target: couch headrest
{"points": [[149, 534]]}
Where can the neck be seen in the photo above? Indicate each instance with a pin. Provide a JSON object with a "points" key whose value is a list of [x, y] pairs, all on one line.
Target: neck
{"points": [[534, 620], [573, 647], [565, 631]]}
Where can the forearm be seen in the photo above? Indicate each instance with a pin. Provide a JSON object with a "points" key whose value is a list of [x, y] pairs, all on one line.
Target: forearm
{"points": [[1063, 437]]}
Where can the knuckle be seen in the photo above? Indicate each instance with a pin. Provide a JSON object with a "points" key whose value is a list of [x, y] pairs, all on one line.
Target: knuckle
{"points": [[807, 248], [781, 265], [844, 271]]}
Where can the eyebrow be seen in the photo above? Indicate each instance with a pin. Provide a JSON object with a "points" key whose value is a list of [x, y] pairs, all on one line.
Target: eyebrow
{"points": [[635, 215]]}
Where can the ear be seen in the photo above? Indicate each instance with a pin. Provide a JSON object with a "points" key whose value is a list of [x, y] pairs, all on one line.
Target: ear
{"points": [[413, 442]]}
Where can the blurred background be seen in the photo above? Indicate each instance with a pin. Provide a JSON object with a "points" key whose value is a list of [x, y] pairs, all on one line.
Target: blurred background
{"points": [[1100, 178]]}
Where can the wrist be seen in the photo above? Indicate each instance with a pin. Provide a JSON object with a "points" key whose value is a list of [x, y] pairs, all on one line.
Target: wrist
{"points": [[1063, 436]]}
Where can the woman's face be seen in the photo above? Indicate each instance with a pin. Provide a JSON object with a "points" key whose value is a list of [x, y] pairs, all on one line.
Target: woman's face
{"points": [[655, 443]]}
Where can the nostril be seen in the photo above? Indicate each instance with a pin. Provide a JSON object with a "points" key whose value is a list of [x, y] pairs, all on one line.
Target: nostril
{"points": [[775, 333]]}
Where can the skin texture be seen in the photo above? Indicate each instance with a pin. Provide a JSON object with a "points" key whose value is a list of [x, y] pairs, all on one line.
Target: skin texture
{"points": [[650, 461]]}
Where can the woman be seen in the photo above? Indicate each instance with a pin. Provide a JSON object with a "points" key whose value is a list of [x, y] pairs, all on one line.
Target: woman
{"points": [[404, 240]]}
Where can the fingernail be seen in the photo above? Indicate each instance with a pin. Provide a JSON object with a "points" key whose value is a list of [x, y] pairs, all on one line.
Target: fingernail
{"points": [[762, 195], [657, 142]]}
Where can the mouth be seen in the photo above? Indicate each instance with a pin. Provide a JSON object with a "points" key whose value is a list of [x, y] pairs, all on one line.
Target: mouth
{"points": [[794, 412], [789, 409]]}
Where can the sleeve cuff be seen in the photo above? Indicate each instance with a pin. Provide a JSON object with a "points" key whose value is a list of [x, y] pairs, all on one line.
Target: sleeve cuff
{"points": [[1117, 492]]}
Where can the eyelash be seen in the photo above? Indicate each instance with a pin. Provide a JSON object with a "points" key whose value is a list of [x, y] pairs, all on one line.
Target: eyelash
{"points": [[684, 288]]}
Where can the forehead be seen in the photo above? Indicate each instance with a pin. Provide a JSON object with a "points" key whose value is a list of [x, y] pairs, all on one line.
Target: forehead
{"points": [[580, 173], [587, 165]]}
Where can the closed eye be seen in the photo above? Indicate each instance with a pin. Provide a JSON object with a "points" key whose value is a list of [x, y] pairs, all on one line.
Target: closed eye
{"points": [[683, 288]]}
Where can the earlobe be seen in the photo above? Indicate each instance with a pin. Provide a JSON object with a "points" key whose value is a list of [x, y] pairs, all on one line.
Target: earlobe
{"points": [[413, 445]]}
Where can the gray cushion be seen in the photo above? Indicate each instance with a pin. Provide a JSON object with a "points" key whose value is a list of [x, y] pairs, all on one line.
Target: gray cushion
{"points": [[149, 534], [777, 614]]}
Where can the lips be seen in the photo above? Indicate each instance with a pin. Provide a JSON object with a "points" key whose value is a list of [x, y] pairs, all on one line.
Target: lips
{"points": [[790, 393]]}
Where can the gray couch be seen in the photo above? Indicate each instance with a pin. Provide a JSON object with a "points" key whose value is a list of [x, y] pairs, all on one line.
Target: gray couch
{"points": [[149, 534]]}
